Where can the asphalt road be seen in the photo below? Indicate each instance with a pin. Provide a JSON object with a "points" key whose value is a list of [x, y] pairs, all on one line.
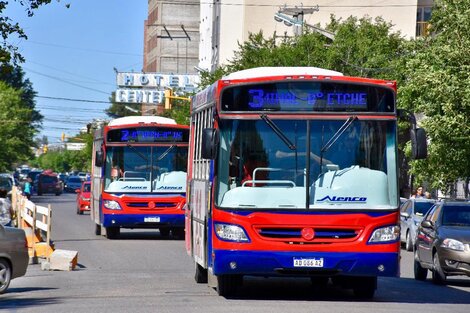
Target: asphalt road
{"points": [[143, 272]]}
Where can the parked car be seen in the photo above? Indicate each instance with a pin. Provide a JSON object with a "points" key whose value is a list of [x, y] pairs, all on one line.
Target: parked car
{"points": [[48, 182], [7, 182], [443, 241], [73, 183], [83, 197], [412, 212], [14, 256]]}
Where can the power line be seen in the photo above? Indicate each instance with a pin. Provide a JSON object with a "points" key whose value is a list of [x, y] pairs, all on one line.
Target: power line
{"points": [[76, 100], [83, 49], [94, 81], [66, 81]]}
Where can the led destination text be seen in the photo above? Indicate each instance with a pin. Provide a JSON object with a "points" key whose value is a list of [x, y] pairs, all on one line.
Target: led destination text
{"points": [[259, 99]]}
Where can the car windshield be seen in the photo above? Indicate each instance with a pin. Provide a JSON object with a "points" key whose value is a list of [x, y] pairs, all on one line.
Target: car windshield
{"points": [[5, 183], [421, 208], [86, 188], [458, 215], [48, 179], [137, 168], [74, 180], [269, 155]]}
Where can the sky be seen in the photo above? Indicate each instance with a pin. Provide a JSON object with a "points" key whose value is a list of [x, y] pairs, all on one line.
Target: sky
{"points": [[72, 53]]}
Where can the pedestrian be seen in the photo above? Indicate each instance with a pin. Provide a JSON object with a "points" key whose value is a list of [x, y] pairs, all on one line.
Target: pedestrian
{"points": [[6, 211], [427, 195], [419, 194], [27, 188]]}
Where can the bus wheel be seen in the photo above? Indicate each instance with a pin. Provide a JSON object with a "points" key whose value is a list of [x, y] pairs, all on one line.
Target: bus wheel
{"points": [[201, 274], [112, 232], [178, 233], [227, 285], [97, 229], [164, 232], [365, 287]]}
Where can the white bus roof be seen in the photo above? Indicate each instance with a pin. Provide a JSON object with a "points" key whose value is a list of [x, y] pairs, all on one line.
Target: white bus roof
{"points": [[141, 119], [281, 71]]}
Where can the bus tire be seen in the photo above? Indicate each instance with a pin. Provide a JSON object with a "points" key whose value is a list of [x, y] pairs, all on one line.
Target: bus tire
{"points": [[227, 285], [365, 287], [164, 232], [97, 229], [201, 274], [178, 232], [112, 232]]}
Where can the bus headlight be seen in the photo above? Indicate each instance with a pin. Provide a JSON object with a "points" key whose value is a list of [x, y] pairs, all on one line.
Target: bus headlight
{"points": [[111, 205], [230, 232], [385, 234]]}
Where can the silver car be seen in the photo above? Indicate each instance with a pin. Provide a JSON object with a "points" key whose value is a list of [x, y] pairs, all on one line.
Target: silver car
{"points": [[14, 256], [412, 212]]}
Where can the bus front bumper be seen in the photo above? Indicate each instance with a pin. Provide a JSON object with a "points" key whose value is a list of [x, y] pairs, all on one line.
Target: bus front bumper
{"points": [[143, 220], [267, 263]]}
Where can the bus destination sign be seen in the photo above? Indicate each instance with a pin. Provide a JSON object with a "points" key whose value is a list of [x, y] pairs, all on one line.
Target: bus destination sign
{"points": [[148, 134]]}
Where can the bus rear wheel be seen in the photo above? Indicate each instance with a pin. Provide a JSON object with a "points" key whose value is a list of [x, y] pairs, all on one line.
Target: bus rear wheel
{"points": [[112, 232], [227, 285]]}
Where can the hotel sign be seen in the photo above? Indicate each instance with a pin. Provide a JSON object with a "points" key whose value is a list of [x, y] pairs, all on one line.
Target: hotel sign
{"points": [[149, 87]]}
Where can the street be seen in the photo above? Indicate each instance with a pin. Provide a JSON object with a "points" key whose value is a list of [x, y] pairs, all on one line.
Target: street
{"points": [[142, 272]]}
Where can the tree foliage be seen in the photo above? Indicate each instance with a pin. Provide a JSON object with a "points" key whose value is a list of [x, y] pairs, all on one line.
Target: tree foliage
{"points": [[16, 134], [437, 84]]}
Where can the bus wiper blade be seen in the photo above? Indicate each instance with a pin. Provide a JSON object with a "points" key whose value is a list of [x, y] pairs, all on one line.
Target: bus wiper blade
{"points": [[278, 132], [138, 152], [338, 133], [165, 153]]}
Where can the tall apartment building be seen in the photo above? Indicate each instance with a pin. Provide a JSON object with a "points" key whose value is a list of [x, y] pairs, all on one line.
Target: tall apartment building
{"points": [[171, 36], [225, 23]]}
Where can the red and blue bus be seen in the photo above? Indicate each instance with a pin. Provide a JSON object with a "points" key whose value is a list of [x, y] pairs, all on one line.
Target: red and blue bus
{"points": [[293, 172], [139, 175]]}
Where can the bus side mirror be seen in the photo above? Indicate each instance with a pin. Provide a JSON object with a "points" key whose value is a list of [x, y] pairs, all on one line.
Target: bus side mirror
{"points": [[210, 141], [99, 158], [419, 145]]}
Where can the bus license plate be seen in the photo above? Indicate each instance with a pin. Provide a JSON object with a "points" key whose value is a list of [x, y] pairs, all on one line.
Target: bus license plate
{"points": [[152, 219], [308, 262]]}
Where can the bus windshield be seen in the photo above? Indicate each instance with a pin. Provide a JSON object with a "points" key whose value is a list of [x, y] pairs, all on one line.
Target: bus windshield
{"points": [[143, 169], [352, 164]]}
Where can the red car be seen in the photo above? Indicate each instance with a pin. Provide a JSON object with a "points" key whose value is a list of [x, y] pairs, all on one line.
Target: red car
{"points": [[83, 197]]}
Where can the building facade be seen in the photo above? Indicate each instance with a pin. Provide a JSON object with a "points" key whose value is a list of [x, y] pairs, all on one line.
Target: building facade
{"points": [[171, 37], [225, 23]]}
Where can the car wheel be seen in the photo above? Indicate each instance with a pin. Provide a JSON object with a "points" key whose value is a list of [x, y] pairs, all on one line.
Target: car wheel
{"points": [[420, 272], [438, 276], [5, 275], [80, 212], [178, 232], [408, 244], [112, 232], [227, 285], [201, 274]]}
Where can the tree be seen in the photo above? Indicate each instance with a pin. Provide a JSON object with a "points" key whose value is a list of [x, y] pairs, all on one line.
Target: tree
{"points": [[116, 109], [362, 47], [16, 133], [437, 84]]}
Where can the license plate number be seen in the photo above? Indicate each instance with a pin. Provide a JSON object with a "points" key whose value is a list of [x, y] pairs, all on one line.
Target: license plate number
{"points": [[308, 262], [152, 219]]}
